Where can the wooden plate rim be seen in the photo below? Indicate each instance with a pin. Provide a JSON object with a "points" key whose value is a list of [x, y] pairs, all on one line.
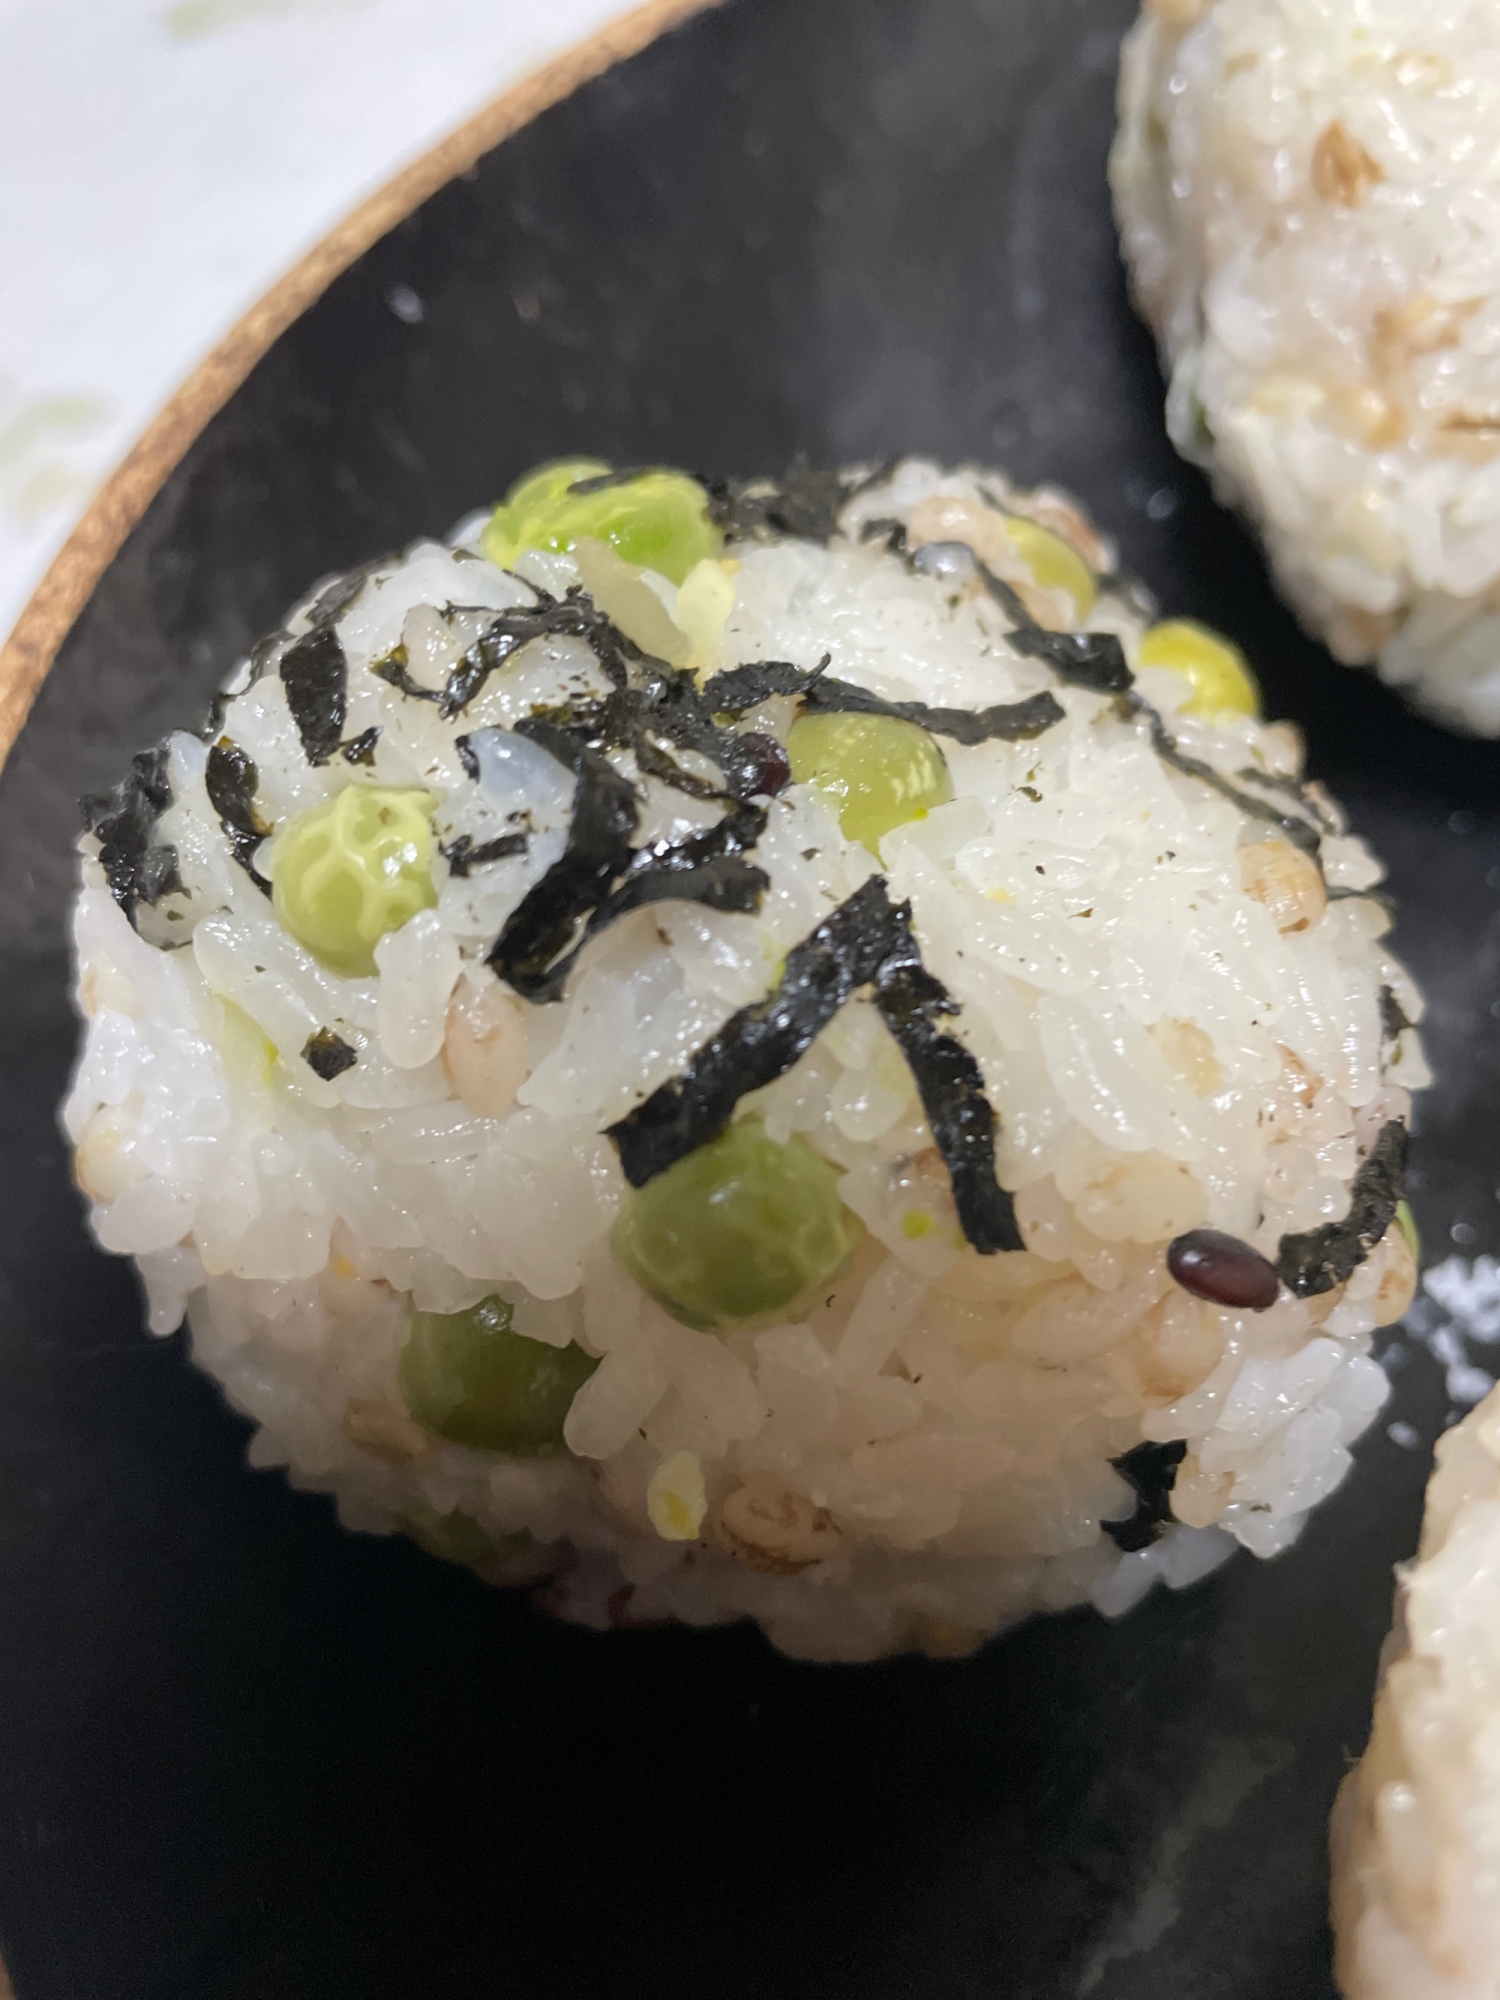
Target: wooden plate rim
{"points": [[124, 497]]}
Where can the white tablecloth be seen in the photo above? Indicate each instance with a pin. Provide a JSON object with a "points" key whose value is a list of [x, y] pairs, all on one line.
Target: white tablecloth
{"points": [[162, 162]]}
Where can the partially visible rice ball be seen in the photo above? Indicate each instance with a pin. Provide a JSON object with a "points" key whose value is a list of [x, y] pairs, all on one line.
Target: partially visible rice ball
{"points": [[1308, 193], [1416, 1843]]}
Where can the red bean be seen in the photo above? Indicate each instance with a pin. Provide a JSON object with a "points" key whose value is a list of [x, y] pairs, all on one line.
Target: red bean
{"points": [[1220, 1268]]}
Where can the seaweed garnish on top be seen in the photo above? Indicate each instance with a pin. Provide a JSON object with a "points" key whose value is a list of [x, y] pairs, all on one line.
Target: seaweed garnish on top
{"points": [[230, 779], [804, 503], [137, 868], [1394, 1020], [465, 854], [315, 675], [1151, 1469], [1301, 832], [951, 1086], [601, 877], [744, 687], [1094, 660], [1318, 1260], [865, 941], [327, 1054]]}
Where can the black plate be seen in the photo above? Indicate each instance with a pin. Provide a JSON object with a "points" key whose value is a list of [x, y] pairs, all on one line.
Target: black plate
{"points": [[246, 1756]]}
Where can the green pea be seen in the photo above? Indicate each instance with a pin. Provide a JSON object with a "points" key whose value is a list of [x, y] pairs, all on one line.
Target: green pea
{"points": [[348, 871], [879, 772], [739, 1229], [1214, 666], [657, 520], [470, 1377], [1054, 563]]}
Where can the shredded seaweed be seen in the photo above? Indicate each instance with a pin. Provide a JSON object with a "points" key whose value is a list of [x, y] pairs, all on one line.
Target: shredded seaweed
{"points": [[1093, 660], [328, 1055], [805, 503], [464, 855], [951, 1086], [1152, 1470], [391, 667], [762, 1041], [315, 675], [575, 616], [625, 475], [887, 530], [230, 780], [1393, 1016], [340, 591], [660, 708], [865, 941], [741, 688], [1297, 830], [123, 821], [535, 950], [600, 877], [361, 749], [1319, 1259], [1304, 794], [1009, 600]]}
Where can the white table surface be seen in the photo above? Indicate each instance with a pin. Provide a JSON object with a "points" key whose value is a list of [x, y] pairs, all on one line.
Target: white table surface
{"points": [[163, 162]]}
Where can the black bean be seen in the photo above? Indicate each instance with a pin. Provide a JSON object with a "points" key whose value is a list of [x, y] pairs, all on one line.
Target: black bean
{"points": [[768, 761], [1220, 1268]]}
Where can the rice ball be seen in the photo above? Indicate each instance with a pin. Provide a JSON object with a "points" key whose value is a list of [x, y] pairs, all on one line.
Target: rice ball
{"points": [[782, 1051], [1308, 194], [1416, 1835]]}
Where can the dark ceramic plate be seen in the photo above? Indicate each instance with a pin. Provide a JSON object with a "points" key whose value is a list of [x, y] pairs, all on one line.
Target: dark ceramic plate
{"points": [[246, 1756]]}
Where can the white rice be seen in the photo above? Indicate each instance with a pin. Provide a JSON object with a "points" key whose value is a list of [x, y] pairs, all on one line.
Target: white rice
{"points": [[938, 1434], [1416, 1837], [1309, 198]]}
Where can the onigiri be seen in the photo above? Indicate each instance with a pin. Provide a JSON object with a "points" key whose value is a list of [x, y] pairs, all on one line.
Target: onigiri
{"points": [[778, 1049]]}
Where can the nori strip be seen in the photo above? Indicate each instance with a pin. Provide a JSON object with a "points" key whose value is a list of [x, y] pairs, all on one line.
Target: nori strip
{"points": [[123, 820], [1011, 722], [328, 1055], [230, 780], [739, 688], [1291, 788], [705, 868], [891, 532], [1319, 1259], [1393, 1019], [1152, 1470], [545, 923], [340, 591], [315, 675], [391, 668], [1085, 659], [664, 705], [574, 616], [625, 475], [463, 856], [864, 941], [762, 1041], [1297, 830], [804, 503], [951, 1086], [1009, 600], [1007, 722], [361, 749]]}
